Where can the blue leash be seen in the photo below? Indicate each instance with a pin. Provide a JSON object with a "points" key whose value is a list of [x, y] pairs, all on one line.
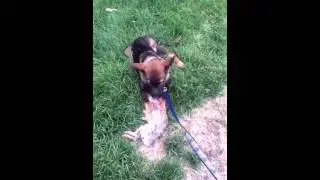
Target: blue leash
{"points": [[193, 143]]}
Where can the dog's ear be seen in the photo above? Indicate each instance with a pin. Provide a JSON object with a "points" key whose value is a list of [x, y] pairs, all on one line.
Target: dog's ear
{"points": [[138, 66], [167, 63]]}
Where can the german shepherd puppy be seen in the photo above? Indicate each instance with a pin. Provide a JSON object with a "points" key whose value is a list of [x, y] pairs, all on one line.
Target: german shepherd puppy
{"points": [[153, 64]]}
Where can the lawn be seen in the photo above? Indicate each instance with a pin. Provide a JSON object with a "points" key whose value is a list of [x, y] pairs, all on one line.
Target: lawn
{"points": [[197, 30]]}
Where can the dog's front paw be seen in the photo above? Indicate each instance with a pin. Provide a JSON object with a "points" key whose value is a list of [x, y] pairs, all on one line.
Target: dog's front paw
{"points": [[180, 64]]}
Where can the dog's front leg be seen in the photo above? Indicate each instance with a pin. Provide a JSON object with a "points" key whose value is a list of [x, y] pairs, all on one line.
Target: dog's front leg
{"points": [[176, 60]]}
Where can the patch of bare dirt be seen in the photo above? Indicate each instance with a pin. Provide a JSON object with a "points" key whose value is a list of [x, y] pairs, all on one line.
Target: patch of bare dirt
{"points": [[208, 125]]}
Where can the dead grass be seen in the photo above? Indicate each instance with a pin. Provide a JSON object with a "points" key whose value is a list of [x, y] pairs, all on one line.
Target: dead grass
{"points": [[208, 125]]}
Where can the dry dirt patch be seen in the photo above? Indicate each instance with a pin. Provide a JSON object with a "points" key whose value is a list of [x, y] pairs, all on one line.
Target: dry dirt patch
{"points": [[208, 125]]}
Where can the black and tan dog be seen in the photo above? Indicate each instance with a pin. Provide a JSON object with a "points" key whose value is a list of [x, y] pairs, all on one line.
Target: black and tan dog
{"points": [[153, 64]]}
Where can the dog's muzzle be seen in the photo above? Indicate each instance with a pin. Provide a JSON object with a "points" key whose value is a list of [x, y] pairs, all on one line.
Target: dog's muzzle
{"points": [[156, 92]]}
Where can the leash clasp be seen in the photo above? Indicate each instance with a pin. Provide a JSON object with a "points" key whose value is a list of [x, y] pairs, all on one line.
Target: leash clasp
{"points": [[165, 89]]}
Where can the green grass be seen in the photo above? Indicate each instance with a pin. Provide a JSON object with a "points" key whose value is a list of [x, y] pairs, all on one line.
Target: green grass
{"points": [[196, 30]]}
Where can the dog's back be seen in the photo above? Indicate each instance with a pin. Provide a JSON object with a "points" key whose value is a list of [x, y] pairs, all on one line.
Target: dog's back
{"points": [[146, 46]]}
